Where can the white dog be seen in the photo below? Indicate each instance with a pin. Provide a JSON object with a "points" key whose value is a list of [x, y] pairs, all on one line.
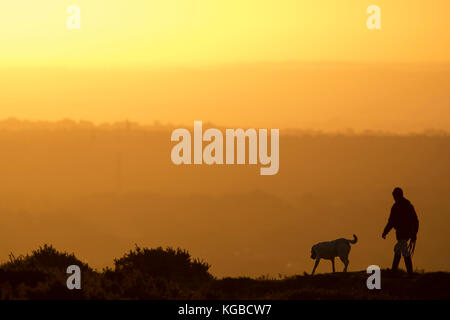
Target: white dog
{"points": [[331, 249]]}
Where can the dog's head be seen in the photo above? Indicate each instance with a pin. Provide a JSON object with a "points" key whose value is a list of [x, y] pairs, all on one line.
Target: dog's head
{"points": [[313, 253]]}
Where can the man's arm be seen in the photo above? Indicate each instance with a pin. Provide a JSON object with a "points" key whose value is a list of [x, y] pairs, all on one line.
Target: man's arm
{"points": [[390, 224], [415, 223]]}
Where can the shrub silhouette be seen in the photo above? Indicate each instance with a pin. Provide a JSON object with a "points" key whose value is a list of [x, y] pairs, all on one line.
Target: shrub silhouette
{"points": [[44, 259], [170, 264], [141, 273], [42, 275]]}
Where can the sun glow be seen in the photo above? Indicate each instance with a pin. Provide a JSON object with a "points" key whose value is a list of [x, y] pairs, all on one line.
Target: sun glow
{"points": [[186, 32]]}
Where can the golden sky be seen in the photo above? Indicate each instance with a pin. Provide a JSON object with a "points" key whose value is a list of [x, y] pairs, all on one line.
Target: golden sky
{"points": [[186, 32], [220, 62]]}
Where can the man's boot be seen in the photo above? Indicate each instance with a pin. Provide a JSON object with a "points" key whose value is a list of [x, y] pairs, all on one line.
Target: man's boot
{"points": [[408, 263], [396, 261]]}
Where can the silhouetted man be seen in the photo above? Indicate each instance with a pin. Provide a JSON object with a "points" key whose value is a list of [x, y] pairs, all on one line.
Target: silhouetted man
{"points": [[403, 219]]}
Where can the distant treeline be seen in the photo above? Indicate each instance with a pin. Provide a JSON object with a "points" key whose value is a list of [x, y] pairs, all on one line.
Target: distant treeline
{"points": [[14, 124]]}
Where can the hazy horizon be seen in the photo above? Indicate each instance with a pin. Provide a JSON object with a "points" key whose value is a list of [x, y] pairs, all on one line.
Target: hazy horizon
{"points": [[326, 97], [18, 124]]}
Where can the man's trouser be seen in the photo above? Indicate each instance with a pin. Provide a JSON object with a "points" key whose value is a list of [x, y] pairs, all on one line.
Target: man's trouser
{"points": [[401, 249]]}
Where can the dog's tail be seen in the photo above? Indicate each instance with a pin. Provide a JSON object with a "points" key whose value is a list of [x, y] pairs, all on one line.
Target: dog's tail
{"points": [[355, 239]]}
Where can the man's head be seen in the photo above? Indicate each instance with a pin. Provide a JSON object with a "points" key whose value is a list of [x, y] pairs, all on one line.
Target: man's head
{"points": [[397, 194]]}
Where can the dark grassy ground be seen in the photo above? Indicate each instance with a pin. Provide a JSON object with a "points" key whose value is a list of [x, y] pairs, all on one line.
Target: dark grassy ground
{"points": [[351, 285], [172, 274]]}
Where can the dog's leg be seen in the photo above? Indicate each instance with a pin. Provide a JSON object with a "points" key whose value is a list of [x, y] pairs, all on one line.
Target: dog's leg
{"points": [[315, 266], [345, 262], [332, 263]]}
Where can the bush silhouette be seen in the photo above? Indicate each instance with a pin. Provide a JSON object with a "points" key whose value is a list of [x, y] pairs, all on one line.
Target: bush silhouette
{"points": [[42, 275], [44, 259], [170, 264]]}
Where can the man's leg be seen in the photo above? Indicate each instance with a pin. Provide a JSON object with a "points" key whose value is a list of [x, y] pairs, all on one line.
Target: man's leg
{"points": [[408, 264], [406, 255], [397, 256], [396, 262]]}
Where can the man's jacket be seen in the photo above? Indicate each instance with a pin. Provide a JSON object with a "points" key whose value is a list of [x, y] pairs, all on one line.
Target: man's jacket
{"points": [[403, 219]]}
